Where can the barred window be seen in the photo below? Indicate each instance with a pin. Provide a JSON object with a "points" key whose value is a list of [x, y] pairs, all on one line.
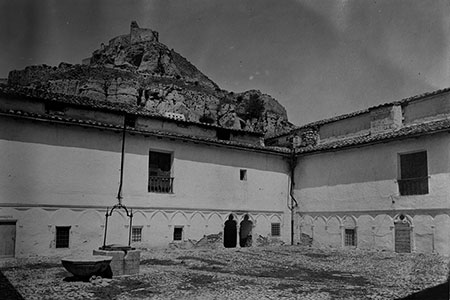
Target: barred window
{"points": [[350, 237], [62, 236], [178, 233], [136, 234], [275, 229]]}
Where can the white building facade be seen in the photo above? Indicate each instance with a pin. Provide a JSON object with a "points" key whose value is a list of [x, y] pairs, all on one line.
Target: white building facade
{"points": [[374, 179], [378, 179], [61, 171]]}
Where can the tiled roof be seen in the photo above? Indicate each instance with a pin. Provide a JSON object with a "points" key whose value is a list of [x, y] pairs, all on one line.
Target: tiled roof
{"points": [[404, 132], [157, 133], [356, 113], [118, 107]]}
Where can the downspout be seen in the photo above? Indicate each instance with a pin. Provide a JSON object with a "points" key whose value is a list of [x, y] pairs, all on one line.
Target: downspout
{"points": [[122, 158], [293, 203]]}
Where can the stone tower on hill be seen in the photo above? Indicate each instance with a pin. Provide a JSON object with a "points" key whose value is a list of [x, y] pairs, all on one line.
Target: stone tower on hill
{"points": [[136, 68], [138, 35]]}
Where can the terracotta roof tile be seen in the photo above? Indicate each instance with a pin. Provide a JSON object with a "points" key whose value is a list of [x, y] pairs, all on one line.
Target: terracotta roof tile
{"points": [[65, 119], [404, 132], [356, 113], [120, 107]]}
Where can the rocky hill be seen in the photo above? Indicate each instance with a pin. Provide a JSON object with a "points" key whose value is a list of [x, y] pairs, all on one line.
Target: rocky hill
{"points": [[138, 69]]}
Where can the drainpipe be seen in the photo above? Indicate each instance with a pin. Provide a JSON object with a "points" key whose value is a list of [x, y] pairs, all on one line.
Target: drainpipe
{"points": [[122, 157], [293, 203]]}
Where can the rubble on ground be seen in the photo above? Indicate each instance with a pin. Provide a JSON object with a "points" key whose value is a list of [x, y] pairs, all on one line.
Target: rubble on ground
{"points": [[269, 272]]}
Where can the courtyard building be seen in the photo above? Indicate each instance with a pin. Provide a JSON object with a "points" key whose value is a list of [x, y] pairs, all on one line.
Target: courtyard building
{"points": [[181, 179], [378, 178]]}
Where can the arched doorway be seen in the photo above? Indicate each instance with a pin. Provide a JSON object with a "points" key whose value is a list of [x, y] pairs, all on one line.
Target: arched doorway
{"points": [[230, 233], [402, 235], [245, 232]]}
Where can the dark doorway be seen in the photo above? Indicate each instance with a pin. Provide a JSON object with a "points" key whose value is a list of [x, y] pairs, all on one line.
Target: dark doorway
{"points": [[230, 233], [245, 232]]}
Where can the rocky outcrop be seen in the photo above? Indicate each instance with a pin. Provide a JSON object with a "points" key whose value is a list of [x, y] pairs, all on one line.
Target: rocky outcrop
{"points": [[136, 68]]}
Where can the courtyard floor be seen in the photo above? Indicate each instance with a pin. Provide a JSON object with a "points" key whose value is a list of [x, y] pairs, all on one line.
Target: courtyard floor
{"points": [[270, 272]]}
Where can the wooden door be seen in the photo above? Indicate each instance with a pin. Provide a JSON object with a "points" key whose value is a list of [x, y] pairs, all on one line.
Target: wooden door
{"points": [[7, 238], [402, 237]]}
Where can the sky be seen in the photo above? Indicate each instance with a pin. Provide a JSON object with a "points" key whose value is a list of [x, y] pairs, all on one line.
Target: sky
{"points": [[318, 58]]}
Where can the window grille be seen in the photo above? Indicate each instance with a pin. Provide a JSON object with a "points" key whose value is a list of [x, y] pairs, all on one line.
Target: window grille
{"points": [[62, 236], [350, 237], [136, 234], [275, 229]]}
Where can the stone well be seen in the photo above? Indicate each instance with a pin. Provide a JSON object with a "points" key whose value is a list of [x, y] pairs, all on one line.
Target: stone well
{"points": [[124, 262]]}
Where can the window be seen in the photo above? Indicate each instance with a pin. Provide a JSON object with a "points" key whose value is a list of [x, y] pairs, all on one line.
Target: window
{"points": [[55, 108], [350, 237], [130, 121], [275, 229], [223, 134], [243, 174], [62, 236], [413, 173], [136, 234], [178, 233], [159, 179]]}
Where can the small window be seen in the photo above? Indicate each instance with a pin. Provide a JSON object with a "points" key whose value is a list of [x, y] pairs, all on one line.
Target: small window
{"points": [[55, 108], [130, 121], [243, 174], [178, 233], [275, 229], [413, 174], [62, 236], [350, 237], [223, 134], [136, 234]]}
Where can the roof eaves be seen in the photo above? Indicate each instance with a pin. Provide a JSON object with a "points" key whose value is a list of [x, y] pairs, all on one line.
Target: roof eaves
{"points": [[119, 107], [405, 132], [91, 123], [356, 113]]}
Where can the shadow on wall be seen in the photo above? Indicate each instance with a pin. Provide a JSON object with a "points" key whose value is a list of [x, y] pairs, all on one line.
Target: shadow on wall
{"points": [[369, 164], [108, 141], [7, 289], [439, 292]]}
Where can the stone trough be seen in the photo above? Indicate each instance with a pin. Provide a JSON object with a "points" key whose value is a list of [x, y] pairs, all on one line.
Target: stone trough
{"points": [[87, 266]]}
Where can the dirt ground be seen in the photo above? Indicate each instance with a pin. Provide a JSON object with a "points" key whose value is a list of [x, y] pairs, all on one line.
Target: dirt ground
{"points": [[269, 272]]}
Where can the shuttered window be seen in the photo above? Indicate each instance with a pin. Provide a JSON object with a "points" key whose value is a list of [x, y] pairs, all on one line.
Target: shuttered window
{"points": [[413, 173]]}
